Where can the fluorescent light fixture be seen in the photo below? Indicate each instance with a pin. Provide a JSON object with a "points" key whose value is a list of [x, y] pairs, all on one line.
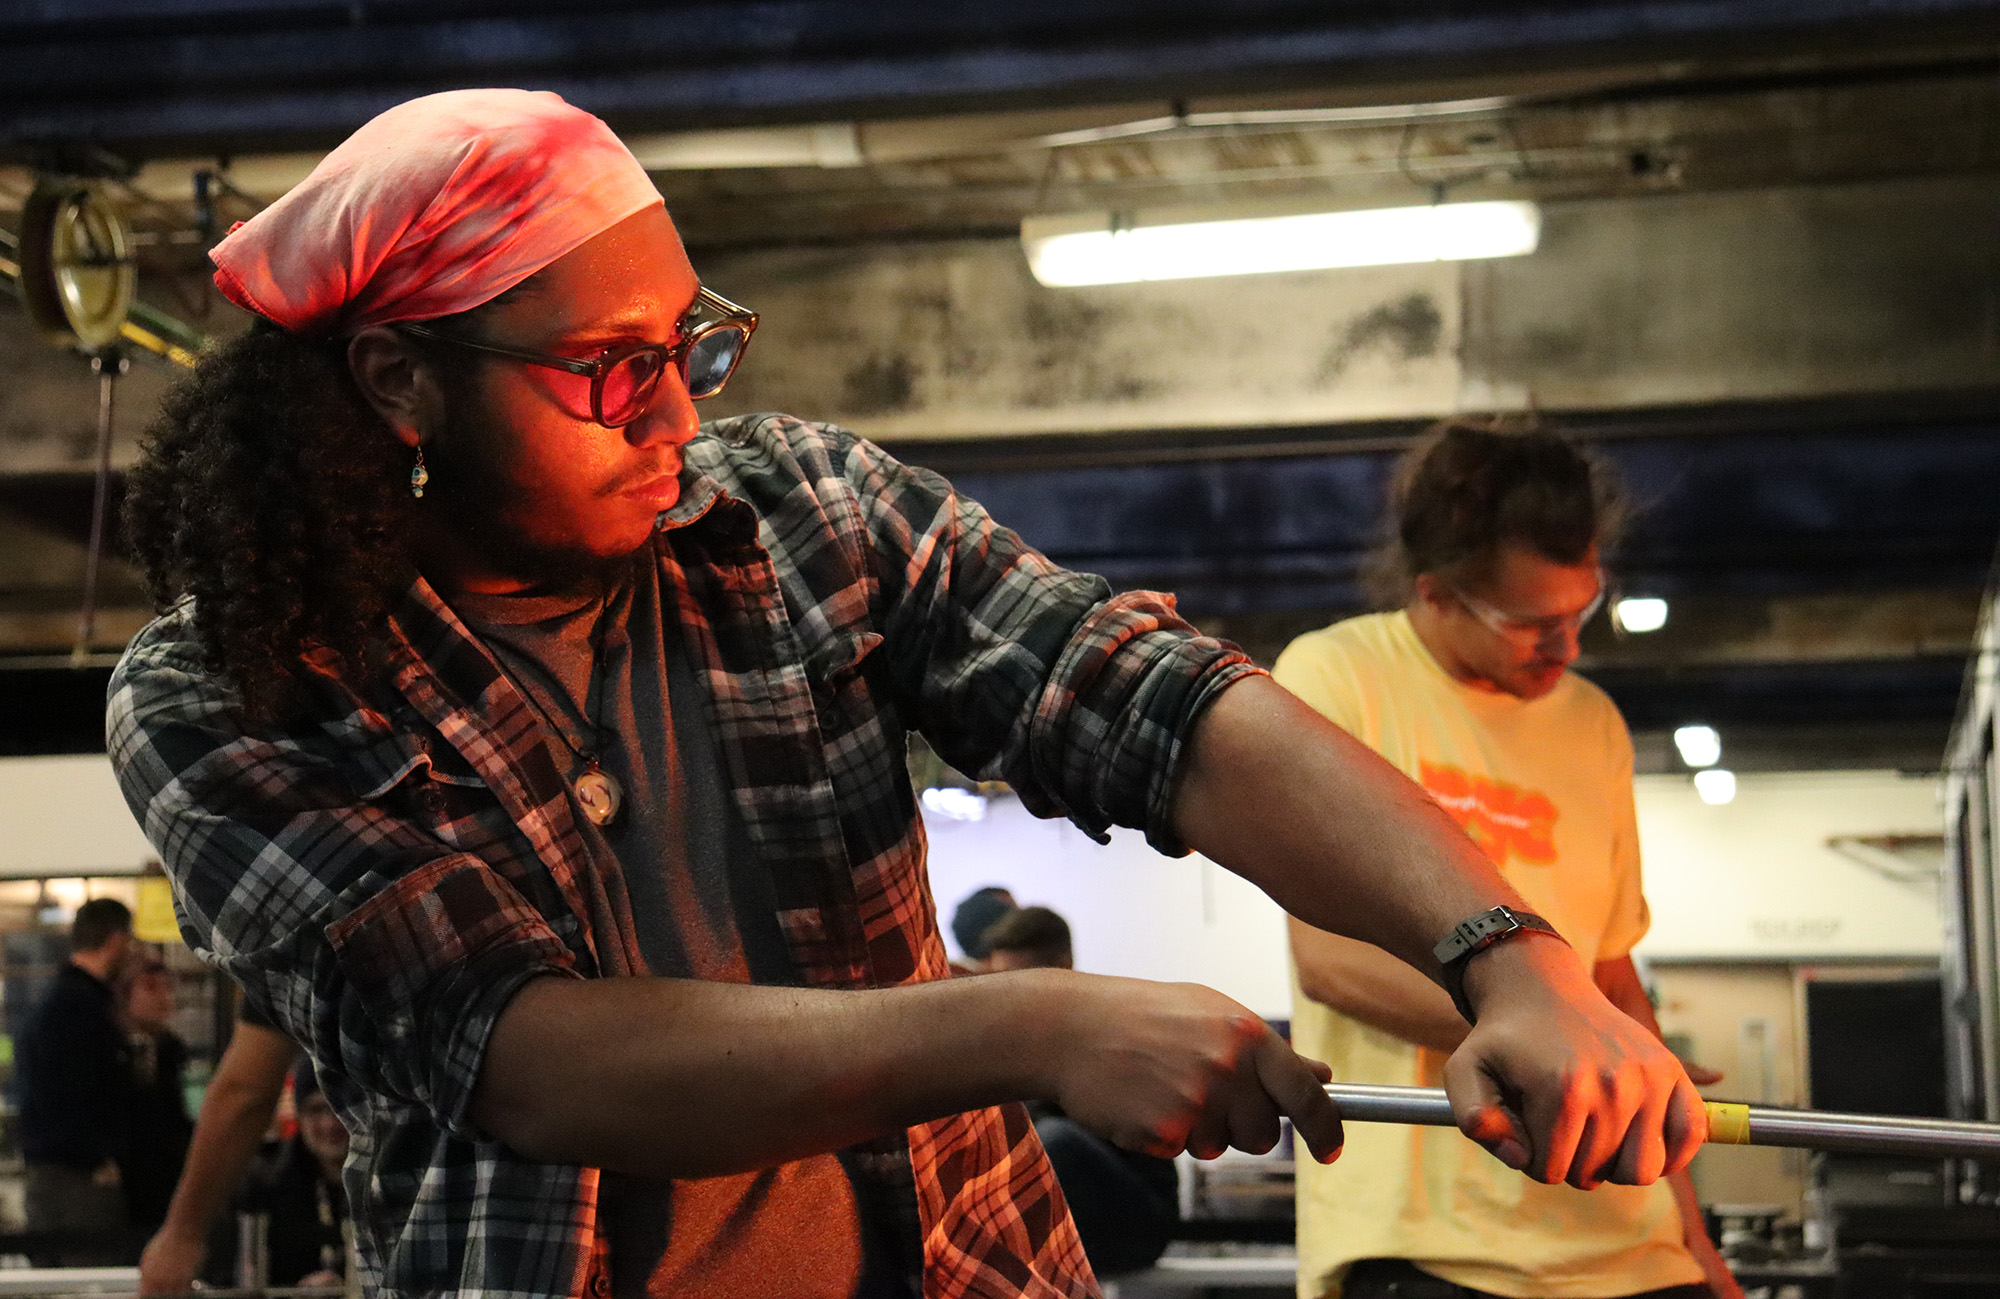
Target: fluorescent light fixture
{"points": [[955, 804], [1103, 248], [1700, 746], [1640, 613], [1716, 786]]}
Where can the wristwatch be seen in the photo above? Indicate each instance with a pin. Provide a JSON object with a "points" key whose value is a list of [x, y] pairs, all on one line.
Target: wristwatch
{"points": [[1469, 937]]}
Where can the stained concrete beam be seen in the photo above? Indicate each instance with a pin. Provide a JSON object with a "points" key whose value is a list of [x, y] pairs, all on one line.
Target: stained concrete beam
{"points": [[1743, 296], [1756, 295], [957, 339]]}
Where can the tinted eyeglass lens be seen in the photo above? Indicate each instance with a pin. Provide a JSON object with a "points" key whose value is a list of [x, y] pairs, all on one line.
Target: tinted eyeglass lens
{"points": [[629, 385], [711, 358]]}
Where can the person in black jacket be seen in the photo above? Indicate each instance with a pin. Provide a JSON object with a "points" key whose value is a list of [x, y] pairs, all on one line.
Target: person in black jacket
{"points": [[76, 1089]]}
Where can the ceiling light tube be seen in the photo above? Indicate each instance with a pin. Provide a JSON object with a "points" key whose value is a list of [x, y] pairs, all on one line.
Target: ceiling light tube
{"points": [[1101, 248], [1700, 746], [1715, 786], [1640, 613]]}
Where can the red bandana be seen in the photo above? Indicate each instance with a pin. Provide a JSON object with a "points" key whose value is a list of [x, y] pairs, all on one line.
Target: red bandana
{"points": [[432, 208]]}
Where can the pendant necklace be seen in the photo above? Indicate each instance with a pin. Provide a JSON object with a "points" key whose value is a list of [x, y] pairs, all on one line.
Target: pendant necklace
{"points": [[597, 791]]}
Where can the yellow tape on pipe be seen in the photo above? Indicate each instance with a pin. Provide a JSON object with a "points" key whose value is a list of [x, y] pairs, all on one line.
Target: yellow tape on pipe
{"points": [[1728, 1124]]}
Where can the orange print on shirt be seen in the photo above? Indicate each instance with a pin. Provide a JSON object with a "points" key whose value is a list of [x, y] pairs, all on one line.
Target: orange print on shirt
{"points": [[1504, 820]]}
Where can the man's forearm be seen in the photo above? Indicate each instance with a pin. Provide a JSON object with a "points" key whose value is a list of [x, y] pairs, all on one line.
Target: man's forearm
{"points": [[1376, 860], [215, 1163], [235, 1114], [1367, 984], [1619, 980], [1693, 1224], [675, 1078]]}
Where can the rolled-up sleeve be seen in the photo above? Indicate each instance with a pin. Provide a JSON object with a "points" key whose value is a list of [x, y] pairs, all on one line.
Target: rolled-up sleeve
{"points": [[1022, 671], [362, 935]]}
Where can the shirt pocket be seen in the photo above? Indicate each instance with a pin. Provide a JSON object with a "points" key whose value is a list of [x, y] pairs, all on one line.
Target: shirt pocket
{"points": [[839, 655], [430, 785], [837, 668]]}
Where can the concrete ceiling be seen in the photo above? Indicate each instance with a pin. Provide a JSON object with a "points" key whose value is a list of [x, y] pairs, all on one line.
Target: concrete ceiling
{"points": [[1768, 261]]}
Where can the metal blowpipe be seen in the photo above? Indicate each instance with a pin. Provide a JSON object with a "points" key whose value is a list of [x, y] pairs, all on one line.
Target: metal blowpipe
{"points": [[1729, 1124]]}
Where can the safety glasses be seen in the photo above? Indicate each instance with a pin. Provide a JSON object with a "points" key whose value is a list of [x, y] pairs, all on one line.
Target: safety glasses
{"points": [[1534, 630], [622, 382]]}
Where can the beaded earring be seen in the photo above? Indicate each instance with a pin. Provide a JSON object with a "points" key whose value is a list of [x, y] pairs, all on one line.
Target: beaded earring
{"points": [[419, 475]]}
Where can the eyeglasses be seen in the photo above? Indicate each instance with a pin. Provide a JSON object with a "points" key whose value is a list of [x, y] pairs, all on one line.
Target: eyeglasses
{"points": [[622, 382], [1534, 630]]}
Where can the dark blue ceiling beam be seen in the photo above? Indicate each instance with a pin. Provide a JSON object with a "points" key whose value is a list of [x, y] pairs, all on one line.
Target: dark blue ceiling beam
{"points": [[198, 74], [1757, 513]]}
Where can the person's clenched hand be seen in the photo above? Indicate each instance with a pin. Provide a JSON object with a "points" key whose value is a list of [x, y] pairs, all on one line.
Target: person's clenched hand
{"points": [[1557, 1082], [1159, 1068]]}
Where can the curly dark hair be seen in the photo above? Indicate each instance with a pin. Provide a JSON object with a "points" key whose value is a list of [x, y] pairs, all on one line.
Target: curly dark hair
{"points": [[1472, 485], [273, 494]]}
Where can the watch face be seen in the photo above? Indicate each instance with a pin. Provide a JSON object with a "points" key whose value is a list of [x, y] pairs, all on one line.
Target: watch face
{"points": [[77, 271]]}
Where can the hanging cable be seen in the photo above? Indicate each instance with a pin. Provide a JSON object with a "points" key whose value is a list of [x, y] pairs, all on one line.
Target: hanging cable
{"points": [[107, 365]]}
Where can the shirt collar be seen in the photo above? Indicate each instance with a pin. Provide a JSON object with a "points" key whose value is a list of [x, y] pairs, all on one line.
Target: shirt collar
{"points": [[699, 493], [702, 495]]}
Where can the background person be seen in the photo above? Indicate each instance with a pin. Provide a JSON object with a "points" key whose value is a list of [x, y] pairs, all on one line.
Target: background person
{"points": [[549, 775], [976, 914], [296, 1189], [1467, 690], [1029, 938], [77, 1092]]}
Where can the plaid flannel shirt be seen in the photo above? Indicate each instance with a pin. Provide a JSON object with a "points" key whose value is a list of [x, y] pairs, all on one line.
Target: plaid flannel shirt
{"points": [[382, 875]]}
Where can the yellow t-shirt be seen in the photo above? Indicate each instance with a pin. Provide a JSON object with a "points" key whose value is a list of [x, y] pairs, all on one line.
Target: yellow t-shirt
{"points": [[1545, 787]]}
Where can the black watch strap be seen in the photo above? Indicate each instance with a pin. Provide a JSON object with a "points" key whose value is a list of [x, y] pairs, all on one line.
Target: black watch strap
{"points": [[1472, 936]]}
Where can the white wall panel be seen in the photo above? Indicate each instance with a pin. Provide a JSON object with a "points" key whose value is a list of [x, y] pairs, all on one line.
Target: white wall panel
{"points": [[1756, 878], [1131, 911], [65, 816]]}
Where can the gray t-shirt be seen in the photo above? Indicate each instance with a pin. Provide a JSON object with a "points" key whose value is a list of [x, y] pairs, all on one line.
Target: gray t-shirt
{"points": [[611, 678]]}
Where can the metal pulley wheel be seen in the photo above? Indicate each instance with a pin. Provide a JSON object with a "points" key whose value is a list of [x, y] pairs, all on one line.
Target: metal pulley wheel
{"points": [[78, 278]]}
